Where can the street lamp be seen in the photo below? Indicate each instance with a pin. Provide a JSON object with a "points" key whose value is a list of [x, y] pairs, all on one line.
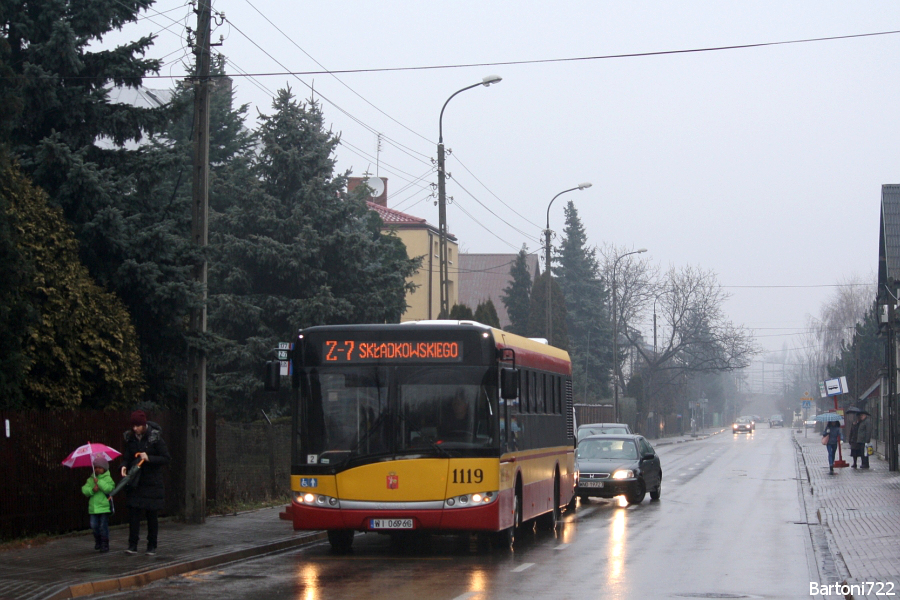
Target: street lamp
{"points": [[547, 232], [616, 333], [442, 197]]}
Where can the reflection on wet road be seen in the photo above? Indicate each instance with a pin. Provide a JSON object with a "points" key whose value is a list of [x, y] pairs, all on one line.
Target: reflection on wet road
{"points": [[725, 527]]}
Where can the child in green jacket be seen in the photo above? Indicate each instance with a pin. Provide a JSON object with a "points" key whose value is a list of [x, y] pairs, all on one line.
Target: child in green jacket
{"points": [[96, 488]]}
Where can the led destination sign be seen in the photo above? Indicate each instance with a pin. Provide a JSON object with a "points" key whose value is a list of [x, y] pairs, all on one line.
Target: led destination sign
{"points": [[352, 351]]}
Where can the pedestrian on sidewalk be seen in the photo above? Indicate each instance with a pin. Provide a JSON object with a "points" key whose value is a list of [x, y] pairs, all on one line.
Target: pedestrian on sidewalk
{"points": [[856, 448], [863, 437], [144, 442], [97, 488], [831, 437]]}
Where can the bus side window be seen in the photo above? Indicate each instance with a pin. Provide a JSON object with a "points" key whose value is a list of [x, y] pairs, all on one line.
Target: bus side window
{"points": [[523, 391]]}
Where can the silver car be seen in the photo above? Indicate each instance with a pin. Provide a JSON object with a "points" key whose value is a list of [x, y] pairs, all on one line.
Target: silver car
{"points": [[602, 429]]}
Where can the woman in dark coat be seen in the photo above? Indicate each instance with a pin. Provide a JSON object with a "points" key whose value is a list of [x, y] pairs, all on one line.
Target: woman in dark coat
{"points": [[144, 442]]}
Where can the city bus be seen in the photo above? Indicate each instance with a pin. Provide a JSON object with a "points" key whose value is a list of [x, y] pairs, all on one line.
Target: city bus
{"points": [[428, 426]]}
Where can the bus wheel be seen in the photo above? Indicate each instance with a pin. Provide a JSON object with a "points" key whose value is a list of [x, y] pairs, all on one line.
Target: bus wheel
{"points": [[341, 540], [506, 539], [550, 520]]}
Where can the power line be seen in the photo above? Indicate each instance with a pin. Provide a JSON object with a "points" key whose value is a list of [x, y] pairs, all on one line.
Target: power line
{"points": [[335, 76], [518, 62]]}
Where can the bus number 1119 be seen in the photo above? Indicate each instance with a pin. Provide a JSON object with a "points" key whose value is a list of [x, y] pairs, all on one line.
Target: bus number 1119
{"points": [[468, 476]]}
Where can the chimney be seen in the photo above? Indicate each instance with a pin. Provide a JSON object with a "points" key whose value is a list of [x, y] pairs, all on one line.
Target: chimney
{"points": [[378, 185]]}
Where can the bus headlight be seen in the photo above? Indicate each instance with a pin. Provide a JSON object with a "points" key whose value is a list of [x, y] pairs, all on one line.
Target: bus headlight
{"points": [[320, 500], [466, 500]]}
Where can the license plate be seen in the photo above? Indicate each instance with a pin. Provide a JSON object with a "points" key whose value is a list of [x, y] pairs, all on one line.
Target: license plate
{"points": [[590, 484], [390, 524]]}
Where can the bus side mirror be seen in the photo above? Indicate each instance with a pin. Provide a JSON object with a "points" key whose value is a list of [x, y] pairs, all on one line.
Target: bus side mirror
{"points": [[273, 376], [509, 383]]}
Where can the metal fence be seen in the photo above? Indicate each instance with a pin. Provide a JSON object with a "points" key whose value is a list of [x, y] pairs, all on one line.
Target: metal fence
{"points": [[244, 462]]}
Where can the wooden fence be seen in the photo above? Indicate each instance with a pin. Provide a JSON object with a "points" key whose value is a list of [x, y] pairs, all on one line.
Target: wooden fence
{"points": [[244, 462]]}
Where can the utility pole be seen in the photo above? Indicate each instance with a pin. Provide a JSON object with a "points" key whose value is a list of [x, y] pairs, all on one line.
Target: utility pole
{"points": [[195, 448]]}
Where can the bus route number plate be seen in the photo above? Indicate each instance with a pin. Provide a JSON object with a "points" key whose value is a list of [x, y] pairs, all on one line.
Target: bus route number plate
{"points": [[390, 524]]}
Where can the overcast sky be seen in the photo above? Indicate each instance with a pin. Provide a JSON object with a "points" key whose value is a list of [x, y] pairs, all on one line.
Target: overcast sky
{"points": [[763, 164]]}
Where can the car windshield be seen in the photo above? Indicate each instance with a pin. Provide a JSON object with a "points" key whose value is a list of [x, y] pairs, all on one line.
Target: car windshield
{"points": [[743, 420], [588, 431], [776, 417], [593, 449]]}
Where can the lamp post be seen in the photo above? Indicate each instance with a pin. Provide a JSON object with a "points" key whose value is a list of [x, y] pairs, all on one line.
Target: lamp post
{"points": [[547, 232], [616, 333], [442, 197]]}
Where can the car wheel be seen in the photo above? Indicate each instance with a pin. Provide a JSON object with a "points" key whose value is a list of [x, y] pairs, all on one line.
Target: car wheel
{"points": [[638, 496], [341, 540], [655, 494]]}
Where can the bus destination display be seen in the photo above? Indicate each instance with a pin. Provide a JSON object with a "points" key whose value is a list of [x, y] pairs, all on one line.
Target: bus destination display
{"points": [[352, 351]]}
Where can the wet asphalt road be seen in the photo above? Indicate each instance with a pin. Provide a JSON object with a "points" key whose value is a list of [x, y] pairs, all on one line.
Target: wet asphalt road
{"points": [[727, 526]]}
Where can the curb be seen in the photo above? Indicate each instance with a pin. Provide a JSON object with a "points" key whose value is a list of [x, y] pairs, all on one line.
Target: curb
{"points": [[140, 579]]}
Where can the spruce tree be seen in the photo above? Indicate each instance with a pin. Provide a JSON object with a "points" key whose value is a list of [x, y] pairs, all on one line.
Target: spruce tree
{"points": [[537, 316], [587, 314], [486, 313], [461, 312], [294, 250], [516, 296], [70, 139]]}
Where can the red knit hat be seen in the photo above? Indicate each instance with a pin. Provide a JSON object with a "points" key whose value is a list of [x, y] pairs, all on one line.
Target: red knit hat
{"points": [[138, 417]]}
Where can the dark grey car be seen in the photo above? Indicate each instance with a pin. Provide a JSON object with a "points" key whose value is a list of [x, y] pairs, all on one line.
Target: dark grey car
{"points": [[616, 465]]}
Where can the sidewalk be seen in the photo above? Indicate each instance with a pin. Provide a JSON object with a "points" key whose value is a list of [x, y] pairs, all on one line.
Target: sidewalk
{"points": [[68, 566], [859, 512]]}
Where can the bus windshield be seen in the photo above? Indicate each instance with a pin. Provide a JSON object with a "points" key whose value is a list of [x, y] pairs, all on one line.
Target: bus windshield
{"points": [[356, 412]]}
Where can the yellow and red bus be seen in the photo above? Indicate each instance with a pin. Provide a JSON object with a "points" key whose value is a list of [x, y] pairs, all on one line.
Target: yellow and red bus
{"points": [[437, 426]]}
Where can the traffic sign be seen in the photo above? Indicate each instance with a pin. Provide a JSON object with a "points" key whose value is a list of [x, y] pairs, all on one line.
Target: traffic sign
{"points": [[806, 404]]}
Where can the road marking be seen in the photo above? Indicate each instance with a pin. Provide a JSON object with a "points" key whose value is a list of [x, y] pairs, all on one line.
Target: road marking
{"points": [[561, 547], [522, 567]]}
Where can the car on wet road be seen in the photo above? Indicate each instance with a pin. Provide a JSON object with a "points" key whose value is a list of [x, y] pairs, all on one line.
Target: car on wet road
{"points": [[602, 429], [617, 465], [743, 425], [776, 421]]}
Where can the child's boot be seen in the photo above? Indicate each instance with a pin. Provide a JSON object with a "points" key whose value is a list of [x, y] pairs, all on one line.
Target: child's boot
{"points": [[97, 542], [104, 544]]}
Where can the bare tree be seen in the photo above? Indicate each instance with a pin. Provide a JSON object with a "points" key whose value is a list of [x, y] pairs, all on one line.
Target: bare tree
{"points": [[697, 335], [693, 336]]}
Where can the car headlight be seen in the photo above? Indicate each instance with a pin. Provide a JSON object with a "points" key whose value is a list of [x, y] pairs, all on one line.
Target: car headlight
{"points": [[624, 474], [320, 500]]}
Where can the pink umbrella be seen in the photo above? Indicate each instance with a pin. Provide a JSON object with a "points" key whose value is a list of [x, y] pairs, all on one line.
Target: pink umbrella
{"points": [[83, 456]]}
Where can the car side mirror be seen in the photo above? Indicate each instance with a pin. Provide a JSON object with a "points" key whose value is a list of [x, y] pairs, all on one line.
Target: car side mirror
{"points": [[649, 456], [509, 383]]}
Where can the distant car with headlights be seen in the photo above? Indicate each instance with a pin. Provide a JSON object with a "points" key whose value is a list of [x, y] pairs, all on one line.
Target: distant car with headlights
{"points": [[776, 421], [743, 425], [617, 465], [602, 429]]}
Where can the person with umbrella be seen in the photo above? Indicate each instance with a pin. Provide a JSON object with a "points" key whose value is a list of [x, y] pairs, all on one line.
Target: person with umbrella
{"points": [[146, 450], [97, 488], [831, 437]]}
